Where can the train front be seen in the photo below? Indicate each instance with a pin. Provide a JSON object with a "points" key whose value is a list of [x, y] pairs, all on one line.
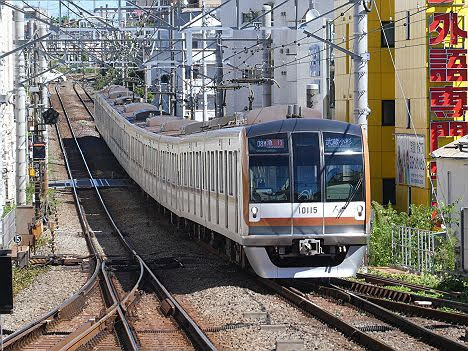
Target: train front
{"points": [[308, 210]]}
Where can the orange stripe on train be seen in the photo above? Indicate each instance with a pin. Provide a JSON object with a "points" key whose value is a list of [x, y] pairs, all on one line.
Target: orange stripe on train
{"points": [[286, 222]]}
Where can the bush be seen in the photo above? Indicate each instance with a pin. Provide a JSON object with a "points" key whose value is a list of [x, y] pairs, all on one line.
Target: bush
{"points": [[421, 217]]}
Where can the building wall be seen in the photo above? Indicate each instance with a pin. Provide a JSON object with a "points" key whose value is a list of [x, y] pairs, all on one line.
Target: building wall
{"points": [[8, 128], [411, 63], [412, 60], [290, 51], [455, 189], [381, 87]]}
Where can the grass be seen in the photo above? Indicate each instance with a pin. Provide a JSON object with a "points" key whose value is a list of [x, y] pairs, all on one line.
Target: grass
{"points": [[24, 277], [446, 282]]}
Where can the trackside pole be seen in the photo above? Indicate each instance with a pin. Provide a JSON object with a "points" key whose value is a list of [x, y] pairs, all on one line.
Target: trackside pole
{"points": [[361, 66]]}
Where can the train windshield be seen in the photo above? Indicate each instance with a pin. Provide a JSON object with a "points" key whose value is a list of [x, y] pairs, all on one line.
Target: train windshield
{"points": [[338, 177], [344, 178], [306, 161], [269, 179]]}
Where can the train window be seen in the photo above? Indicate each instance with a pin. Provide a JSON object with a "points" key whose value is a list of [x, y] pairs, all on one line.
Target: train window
{"points": [[197, 170], [306, 161], [221, 171], [338, 142], [269, 144], [212, 171], [215, 171], [230, 173], [205, 171], [344, 178], [269, 179], [189, 169], [184, 174]]}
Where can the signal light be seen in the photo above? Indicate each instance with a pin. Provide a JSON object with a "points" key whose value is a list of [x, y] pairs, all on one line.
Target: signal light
{"points": [[50, 116]]}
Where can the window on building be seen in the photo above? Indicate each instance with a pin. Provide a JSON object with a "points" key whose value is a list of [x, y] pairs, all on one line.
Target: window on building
{"points": [[388, 27], [195, 44], [388, 112], [196, 73], [407, 24], [249, 16], [388, 190], [408, 113]]}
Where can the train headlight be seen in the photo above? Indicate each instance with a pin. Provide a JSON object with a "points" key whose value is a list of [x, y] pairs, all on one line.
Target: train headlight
{"points": [[254, 211], [360, 209]]}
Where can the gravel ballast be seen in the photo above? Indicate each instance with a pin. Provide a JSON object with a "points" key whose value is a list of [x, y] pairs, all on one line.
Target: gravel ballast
{"points": [[48, 291]]}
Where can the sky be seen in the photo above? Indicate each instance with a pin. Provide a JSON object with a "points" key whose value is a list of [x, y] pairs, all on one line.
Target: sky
{"points": [[52, 6]]}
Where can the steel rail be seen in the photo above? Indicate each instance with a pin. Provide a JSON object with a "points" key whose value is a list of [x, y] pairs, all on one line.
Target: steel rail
{"points": [[298, 298], [82, 101], [132, 339], [74, 302], [196, 334], [375, 279], [400, 322], [382, 292], [415, 310], [129, 334]]}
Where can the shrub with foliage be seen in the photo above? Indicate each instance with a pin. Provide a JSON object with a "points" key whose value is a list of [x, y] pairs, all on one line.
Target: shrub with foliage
{"points": [[421, 217]]}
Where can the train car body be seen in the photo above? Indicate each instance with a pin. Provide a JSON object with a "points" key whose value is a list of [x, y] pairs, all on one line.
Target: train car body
{"points": [[291, 194]]}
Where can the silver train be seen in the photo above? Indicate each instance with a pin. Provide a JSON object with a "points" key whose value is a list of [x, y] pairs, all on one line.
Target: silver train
{"points": [[290, 195]]}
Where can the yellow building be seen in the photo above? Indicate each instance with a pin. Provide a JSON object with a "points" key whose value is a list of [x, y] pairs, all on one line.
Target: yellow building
{"points": [[414, 66], [381, 93], [403, 126]]}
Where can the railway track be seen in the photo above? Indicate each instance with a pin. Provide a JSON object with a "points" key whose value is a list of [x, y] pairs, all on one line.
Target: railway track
{"points": [[97, 316], [54, 327], [439, 329], [147, 298], [378, 291]]}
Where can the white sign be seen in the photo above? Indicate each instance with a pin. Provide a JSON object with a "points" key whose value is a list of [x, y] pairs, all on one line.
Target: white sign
{"points": [[17, 239], [411, 160]]}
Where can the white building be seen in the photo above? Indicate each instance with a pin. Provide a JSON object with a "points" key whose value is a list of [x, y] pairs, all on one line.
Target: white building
{"points": [[7, 121], [195, 79], [452, 187], [299, 65]]}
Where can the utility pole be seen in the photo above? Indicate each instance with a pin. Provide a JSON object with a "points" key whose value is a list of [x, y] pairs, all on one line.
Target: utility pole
{"points": [[45, 106], [20, 114], [327, 86], [219, 77], [173, 89], [205, 70], [267, 56], [360, 62]]}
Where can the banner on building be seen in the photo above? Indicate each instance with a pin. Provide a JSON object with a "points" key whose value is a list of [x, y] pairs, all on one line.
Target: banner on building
{"points": [[410, 160]]}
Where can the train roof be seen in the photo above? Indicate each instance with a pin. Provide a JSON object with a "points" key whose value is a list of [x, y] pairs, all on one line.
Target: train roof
{"points": [[302, 125], [267, 120]]}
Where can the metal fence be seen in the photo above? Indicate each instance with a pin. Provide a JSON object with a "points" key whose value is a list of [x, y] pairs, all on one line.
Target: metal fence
{"points": [[8, 224], [414, 249]]}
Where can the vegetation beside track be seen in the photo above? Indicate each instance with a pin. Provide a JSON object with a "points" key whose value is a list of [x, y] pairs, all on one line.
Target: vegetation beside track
{"points": [[24, 277], [421, 217], [443, 282]]}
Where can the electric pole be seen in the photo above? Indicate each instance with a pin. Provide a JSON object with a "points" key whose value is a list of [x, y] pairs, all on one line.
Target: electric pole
{"points": [[360, 62], [205, 70], [266, 56], [219, 77], [20, 114]]}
